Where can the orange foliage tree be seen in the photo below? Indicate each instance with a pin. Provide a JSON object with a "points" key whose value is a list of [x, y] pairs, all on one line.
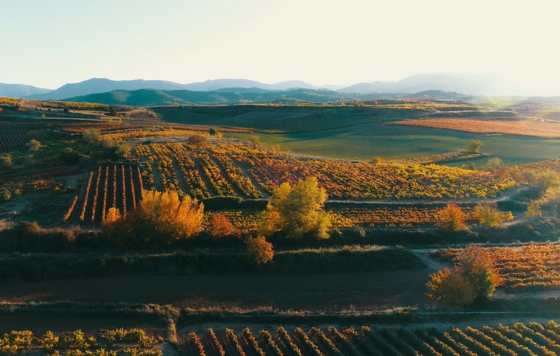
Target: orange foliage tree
{"points": [[451, 218], [260, 250], [220, 226], [472, 279]]}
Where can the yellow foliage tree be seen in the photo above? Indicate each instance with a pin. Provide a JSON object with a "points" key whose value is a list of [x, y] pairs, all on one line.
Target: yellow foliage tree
{"points": [[169, 213], [451, 218], [298, 211], [489, 216]]}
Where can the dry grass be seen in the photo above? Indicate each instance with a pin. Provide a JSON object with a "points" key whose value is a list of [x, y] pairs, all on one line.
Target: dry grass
{"points": [[535, 128]]}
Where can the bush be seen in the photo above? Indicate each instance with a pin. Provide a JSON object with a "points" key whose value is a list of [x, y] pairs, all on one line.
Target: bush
{"points": [[489, 216], [6, 161], [451, 218], [220, 226], [260, 250]]}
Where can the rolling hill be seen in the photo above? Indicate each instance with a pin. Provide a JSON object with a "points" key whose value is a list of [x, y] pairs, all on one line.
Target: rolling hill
{"points": [[148, 97]]}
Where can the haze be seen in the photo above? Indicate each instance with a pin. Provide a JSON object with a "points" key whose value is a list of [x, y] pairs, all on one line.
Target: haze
{"points": [[322, 42]]}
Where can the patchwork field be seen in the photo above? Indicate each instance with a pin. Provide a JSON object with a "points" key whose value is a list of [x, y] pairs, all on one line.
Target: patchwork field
{"points": [[537, 128]]}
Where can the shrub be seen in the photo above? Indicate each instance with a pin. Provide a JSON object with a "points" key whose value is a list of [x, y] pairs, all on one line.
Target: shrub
{"points": [[220, 226], [260, 250], [451, 218], [489, 216], [34, 145], [6, 161], [198, 140], [298, 211], [473, 147]]}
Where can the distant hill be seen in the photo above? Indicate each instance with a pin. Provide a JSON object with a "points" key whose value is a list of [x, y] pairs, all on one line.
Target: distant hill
{"points": [[101, 85], [217, 84], [448, 82], [20, 90], [148, 97]]}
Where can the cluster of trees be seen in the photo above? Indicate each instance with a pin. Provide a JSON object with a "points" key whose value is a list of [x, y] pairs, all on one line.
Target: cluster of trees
{"points": [[164, 217], [453, 218], [472, 280]]}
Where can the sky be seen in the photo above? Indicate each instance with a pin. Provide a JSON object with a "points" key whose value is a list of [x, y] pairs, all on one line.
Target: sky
{"points": [[48, 43]]}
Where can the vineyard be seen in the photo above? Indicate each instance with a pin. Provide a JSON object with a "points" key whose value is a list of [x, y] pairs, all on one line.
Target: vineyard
{"points": [[248, 220], [525, 267], [516, 339], [12, 138], [109, 185], [78, 342], [248, 171]]}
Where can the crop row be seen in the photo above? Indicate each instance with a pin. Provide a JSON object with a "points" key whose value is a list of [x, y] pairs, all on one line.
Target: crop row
{"points": [[111, 185], [105, 342], [234, 169], [515, 339], [11, 139], [532, 266]]}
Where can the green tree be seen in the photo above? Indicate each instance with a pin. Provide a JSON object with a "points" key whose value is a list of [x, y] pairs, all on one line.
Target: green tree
{"points": [[298, 211]]}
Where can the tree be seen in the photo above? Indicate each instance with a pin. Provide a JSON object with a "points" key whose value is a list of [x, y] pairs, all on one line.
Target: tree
{"points": [[260, 250], [494, 164], [170, 214], [34, 145], [298, 211], [6, 160], [451, 218], [473, 279], [160, 218], [473, 147], [489, 216], [113, 216], [220, 226], [198, 140]]}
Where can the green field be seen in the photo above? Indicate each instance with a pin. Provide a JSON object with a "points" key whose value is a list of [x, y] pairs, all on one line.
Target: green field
{"points": [[359, 132]]}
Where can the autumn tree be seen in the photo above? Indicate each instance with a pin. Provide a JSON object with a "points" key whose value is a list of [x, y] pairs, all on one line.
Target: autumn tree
{"points": [[34, 145], [451, 218], [113, 216], [160, 218], [220, 226], [488, 215], [472, 279], [298, 210], [6, 161], [260, 250], [473, 147], [171, 214]]}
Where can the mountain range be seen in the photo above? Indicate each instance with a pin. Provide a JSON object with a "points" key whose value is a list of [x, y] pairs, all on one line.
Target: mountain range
{"points": [[446, 82]]}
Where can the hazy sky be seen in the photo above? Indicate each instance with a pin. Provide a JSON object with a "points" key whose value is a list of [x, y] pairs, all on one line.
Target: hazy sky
{"points": [[49, 42]]}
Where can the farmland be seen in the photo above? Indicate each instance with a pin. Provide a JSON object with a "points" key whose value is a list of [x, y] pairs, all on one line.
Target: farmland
{"points": [[230, 169], [523, 268], [536, 128], [350, 132], [513, 339], [108, 186]]}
